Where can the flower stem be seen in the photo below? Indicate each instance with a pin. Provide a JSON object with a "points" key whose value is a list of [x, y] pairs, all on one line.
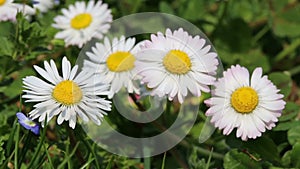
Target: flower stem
{"points": [[17, 146], [210, 153], [37, 151], [88, 145], [73, 143], [261, 33], [288, 50], [49, 157], [295, 70], [11, 138]]}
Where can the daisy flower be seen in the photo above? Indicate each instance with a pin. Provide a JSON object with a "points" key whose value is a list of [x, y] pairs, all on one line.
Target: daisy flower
{"points": [[81, 22], [28, 123], [67, 96], [250, 105], [177, 63], [114, 63], [9, 10], [44, 5]]}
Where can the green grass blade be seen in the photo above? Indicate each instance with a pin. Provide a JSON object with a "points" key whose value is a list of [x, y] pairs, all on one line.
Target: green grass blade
{"points": [[68, 157], [209, 158], [164, 161]]}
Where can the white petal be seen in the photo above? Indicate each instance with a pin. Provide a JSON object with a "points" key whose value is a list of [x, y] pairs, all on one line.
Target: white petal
{"points": [[44, 74], [66, 68], [255, 78]]}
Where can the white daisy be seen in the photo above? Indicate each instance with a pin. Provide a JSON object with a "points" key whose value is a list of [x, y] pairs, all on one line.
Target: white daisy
{"points": [[250, 105], [114, 63], [44, 5], [9, 10], [67, 96], [81, 22], [176, 63]]}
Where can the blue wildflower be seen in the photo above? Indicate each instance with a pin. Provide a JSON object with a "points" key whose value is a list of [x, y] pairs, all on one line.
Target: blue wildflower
{"points": [[28, 123]]}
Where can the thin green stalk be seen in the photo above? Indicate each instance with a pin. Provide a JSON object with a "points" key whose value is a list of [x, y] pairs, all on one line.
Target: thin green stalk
{"points": [[48, 156], [19, 161], [261, 33], [67, 152], [222, 16], [41, 161], [288, 50], [17, 146], [16, 128], [24, 150], [147, 159], [295, 70], [73, 142], [147, 163], [209, 159], [11, 138], [17, 33], [88, 163], [110, 163], [164, 161], [178, 158], [209, 153], [69, 156], [88, 145], [37, 151]]}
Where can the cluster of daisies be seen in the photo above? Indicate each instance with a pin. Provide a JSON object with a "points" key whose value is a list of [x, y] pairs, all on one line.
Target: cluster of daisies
{"points": [[9, 9], [171, 63]]}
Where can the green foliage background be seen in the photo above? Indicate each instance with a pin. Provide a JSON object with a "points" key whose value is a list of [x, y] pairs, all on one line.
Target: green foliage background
{"points": [[252, 33]]}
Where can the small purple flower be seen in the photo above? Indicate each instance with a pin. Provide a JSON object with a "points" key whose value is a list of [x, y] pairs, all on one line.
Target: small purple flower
{"points": [[28, 123]]}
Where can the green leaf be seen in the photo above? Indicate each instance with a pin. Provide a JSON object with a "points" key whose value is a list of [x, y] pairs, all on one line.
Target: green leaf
{"points": [[294, 134], [291, 110], [238, 160], [196, 130], [129, 6], [30, 36], [250, 59], [7, 66], [253, 10], [286, 21], [285, 28], [15, 88], [265, 147], [295, 155], [165, 7], [239, 41], [283, 82], [192, 9], [194, 161], [6, 47], [283, 126], [6, 28], [254, 59], [233, 141], [286, 159]]}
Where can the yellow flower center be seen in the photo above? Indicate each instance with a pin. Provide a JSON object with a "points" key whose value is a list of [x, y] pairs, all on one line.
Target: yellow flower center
{"points": [[244, 100], [81, 21], [177, 62], [2, 2], [67, 92], [120, 61]]}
